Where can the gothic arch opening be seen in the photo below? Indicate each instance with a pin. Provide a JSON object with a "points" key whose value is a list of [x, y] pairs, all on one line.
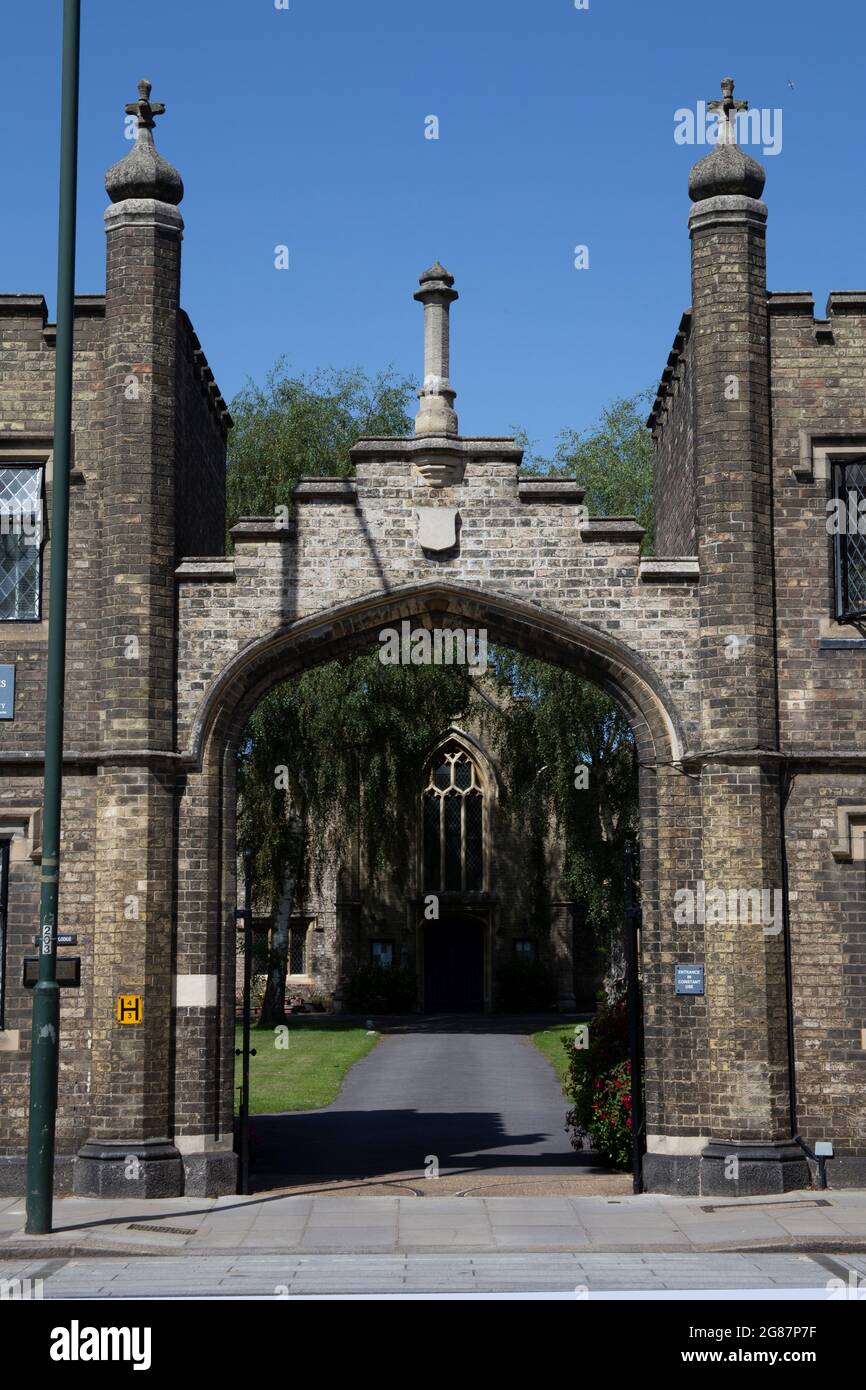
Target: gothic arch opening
{"points": [[606, 661], [455, 805], [666, 796]]}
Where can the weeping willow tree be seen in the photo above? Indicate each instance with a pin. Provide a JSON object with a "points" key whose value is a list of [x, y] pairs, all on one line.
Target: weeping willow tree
{"points": [[334, 759], [612, 461], [290, 427], [569, 762], [566, 725], [293, 427], [331, 760]]}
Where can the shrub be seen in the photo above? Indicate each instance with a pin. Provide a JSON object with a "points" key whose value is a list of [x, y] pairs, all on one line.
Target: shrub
{"points": [[380, 989], [611, 1116], [523, 986], [599, 1086]]}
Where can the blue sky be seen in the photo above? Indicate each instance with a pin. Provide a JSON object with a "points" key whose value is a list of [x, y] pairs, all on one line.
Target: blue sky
{"points": [[305, 127]]}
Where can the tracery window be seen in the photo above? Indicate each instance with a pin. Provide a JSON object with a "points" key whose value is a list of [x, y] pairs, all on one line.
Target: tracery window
{"points": [[453, 805]]}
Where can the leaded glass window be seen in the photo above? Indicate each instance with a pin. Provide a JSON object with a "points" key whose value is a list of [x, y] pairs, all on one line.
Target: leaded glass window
{"points": [[20, 542], [453, 823], [298, 950], [849, 487]]}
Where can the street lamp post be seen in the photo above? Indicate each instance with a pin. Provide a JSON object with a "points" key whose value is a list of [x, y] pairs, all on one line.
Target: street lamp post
{"points": [[45, 1050]]}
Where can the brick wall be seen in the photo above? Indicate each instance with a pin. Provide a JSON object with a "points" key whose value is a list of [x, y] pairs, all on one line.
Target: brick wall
{"points": [[672, 424]]}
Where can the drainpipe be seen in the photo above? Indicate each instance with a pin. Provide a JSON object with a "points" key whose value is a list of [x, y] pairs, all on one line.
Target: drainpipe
{"points": [[784, 792], [819, 1159]]}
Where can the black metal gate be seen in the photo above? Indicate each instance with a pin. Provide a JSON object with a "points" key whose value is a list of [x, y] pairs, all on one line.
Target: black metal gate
{"points": [[635, 1013]]}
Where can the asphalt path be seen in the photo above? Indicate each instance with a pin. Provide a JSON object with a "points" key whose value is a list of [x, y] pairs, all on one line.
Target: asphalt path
{"points": [[472, 1098]]}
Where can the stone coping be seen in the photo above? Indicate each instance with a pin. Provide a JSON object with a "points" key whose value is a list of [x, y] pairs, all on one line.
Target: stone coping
{"points": [[262, 528], [19, 305], [846, 302], [325, 489], [792, 302], [214, 568], [679, 345], [498, 447], [669, 569], [550, 490], [612, 528]]}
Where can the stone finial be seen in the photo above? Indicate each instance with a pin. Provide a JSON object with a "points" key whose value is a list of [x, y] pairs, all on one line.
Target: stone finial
{"points": [[727, 169], [727, 110], [436, 273], [143, 173], [144, 109], [436, 293]]}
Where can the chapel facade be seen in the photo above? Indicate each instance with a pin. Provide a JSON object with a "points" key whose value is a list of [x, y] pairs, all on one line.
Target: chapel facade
{"points": [[482, 919]]}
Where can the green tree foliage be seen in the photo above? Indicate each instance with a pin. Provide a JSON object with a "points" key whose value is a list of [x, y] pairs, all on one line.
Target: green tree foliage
{"points": [[563, 722], [568, 758], [304, 426], [613, 461], [340, 751]]}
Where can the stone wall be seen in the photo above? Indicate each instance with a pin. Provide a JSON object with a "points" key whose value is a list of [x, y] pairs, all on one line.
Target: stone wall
{"points": [[818, 368]]}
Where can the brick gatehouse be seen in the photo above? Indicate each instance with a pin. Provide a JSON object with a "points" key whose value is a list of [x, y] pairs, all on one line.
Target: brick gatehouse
{"points": [[737, 653]]}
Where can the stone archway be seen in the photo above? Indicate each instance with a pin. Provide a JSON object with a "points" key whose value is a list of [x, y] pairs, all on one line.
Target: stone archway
{"points": [[440, 528], [208, 890]]}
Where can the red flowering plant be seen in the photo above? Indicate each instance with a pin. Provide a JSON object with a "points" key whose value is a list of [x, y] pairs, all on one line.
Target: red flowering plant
{"points": [[611, 1124], [599, 1085]]}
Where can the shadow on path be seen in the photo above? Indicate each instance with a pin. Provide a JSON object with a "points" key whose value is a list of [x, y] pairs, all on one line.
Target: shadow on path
{"points": [[471, 1094]]}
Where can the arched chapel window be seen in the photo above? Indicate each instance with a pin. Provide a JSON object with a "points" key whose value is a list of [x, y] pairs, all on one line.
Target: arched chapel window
{"points": [[453, 824]]}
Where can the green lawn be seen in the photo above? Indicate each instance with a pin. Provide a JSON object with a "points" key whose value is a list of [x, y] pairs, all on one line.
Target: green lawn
{"points": [[308, 1073], [549, 1041]]}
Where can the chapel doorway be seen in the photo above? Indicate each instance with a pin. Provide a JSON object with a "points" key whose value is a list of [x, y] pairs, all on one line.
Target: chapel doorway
{"points": [[454, 966]]}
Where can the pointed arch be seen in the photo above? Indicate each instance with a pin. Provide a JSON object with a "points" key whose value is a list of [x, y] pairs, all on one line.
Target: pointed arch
{"points": [[456, 800]]}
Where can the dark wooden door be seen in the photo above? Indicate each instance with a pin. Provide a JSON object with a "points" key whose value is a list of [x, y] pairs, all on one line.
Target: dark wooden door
{"points": [[453, 966]]}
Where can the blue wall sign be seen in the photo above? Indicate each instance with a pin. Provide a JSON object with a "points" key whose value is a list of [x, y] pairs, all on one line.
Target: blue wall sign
{"points": [[689, 979], [7, 692]]}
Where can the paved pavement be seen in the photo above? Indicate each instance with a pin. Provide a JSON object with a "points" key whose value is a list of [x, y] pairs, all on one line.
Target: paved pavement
{"points": [[473, 1095], [349, 1225]]}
